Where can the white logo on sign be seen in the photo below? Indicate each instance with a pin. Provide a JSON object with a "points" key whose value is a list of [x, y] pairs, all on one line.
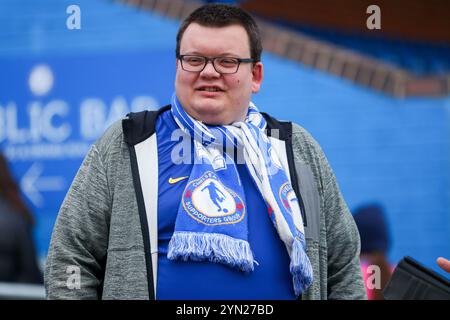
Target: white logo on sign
{"points": [[40, 80]]}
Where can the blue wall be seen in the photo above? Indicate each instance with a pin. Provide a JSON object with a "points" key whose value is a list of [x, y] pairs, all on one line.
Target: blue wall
{"points": [[392, 151]]}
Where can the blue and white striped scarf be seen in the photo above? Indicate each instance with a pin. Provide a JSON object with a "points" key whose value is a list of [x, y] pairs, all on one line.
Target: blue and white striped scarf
{"points": [[212, 219]]}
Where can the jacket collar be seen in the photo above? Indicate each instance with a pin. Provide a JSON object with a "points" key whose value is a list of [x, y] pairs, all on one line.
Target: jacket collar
{"points": [[138, 126]]}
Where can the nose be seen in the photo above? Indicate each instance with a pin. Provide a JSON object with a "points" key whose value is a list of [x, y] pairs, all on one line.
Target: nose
{"points": [[209, 71]]}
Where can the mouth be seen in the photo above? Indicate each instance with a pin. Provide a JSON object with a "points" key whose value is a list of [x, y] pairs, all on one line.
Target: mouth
{"points": [[209, 89]]}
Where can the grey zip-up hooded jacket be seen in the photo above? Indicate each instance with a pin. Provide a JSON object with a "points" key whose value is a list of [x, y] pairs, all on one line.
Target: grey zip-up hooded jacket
{"points": [[105, 241]]}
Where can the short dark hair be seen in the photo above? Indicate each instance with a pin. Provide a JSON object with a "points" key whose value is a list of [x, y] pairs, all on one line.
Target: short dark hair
{"points": [[222, 15]]}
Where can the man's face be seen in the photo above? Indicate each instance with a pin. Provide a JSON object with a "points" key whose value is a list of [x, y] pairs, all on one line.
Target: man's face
{"points": [[230, 102]]}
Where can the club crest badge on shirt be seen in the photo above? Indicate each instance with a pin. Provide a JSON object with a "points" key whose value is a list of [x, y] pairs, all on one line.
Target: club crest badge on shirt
{"points": [[209, 202]]}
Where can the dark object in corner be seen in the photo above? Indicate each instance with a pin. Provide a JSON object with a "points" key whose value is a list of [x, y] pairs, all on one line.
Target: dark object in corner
{"points": [[413, 281]]}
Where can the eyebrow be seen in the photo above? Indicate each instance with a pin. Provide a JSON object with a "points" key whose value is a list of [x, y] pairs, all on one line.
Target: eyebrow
{"points": [[225, 54]]}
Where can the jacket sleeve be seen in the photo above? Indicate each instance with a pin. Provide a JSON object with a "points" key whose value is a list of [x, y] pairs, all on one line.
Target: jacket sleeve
{"points": [[345, 281], [75, 262], [344, 271], [344, 276]]}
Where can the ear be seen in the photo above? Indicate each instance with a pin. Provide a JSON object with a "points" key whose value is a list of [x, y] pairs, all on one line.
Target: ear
{"points": [[257, 76]]}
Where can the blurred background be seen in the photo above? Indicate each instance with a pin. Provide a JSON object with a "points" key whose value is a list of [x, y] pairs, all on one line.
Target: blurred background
{"points": [[376, 100]]}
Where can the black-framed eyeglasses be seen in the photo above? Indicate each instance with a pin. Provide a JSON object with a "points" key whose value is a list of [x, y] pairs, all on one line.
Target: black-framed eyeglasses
{"points": [[223, 65]]}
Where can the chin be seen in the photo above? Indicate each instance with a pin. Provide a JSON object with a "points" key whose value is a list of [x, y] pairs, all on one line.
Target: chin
{"points": [[209, 105], [207, 112]]}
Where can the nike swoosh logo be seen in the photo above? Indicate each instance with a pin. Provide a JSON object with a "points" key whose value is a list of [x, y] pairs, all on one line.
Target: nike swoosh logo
{"points": [[173, 181]]}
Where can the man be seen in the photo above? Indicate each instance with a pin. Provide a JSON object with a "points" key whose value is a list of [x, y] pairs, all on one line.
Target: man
{"points": [[143, 218]]}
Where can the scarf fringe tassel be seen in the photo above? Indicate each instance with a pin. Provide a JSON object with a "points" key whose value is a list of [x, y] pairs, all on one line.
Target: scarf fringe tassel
{"points": [[300, 268], [213, 247]]}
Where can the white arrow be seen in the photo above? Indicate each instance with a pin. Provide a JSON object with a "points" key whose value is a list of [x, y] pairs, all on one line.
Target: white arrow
{"points": [[32, 184]]}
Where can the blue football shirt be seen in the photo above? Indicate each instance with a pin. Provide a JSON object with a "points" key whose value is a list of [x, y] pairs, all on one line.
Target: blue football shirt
{"points": [[271, 278]]}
